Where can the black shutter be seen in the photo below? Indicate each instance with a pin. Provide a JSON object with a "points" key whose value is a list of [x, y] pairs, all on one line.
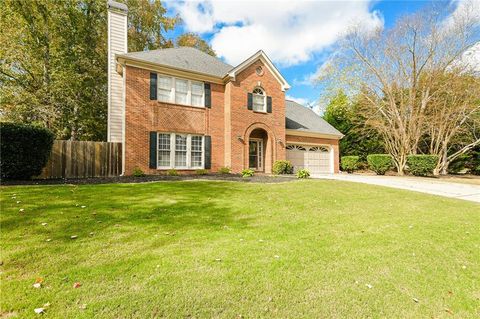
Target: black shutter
{"points": [[269, 104], [208, 95], [153, 86], [153, 149], [250, 101], [208, 152]]}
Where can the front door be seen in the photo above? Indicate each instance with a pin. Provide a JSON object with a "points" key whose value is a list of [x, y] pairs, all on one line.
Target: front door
{"points": [[255, 154]]}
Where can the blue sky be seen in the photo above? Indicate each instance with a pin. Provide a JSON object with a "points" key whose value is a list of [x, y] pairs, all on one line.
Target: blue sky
{"points": [[297, 35]]}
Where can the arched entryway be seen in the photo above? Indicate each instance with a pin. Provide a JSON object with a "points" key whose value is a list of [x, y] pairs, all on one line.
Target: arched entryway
{"points": [[259, 150], [257, 144]]}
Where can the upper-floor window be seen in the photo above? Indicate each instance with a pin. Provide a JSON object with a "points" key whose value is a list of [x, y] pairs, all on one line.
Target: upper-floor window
{"points": [[180, 91], [259, 100]]}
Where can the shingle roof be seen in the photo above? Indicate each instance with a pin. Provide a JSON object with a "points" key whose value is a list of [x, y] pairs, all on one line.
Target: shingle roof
{"points": [[185, 58], [301, 118]]}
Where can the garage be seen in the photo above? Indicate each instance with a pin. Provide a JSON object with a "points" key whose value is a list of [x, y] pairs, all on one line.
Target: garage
{"points": [[317, 159]]}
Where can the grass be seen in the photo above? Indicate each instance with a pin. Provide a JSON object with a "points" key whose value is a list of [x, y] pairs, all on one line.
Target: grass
{"points": [[200, 249]]}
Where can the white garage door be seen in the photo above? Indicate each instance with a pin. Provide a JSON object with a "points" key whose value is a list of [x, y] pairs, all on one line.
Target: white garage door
{"points": [[314, 158]]}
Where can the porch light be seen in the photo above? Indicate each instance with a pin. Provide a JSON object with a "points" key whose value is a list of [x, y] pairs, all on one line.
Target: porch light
{"points": [[240, 138]]}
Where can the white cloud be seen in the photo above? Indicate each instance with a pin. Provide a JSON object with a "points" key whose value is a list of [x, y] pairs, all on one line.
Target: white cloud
{"points": [[290, 32], [299, 100]]}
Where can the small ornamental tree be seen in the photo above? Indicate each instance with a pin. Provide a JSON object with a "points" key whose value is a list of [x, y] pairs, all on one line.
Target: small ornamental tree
{"points": [[282, 167], [380, 163], [24, 150]]}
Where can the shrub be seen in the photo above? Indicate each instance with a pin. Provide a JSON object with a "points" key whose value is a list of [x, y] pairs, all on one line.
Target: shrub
{"points": [[248, 172], [379, 163], [201, 172], [282, 167], [24, 150], [137, 172], [421, 165], [459, 164], [303, 173], [172, 172], [349, 163], [224, 170]]}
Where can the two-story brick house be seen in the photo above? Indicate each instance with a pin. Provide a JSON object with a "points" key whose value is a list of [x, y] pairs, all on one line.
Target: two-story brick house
{"points": [[184, 109]]}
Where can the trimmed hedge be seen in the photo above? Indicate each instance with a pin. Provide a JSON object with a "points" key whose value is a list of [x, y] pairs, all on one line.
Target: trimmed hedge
{"points": [[422, 165], [24, 150], [349, 163], [380, 163], [282, 167]]}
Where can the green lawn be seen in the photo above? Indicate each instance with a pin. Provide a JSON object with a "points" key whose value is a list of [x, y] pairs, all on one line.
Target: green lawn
{"points": [[199, 249]]}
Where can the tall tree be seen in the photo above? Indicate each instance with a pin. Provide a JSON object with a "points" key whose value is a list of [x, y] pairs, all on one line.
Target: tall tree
{"points": [[359, 139], [195, 41], [53, 60], [396, 70]]}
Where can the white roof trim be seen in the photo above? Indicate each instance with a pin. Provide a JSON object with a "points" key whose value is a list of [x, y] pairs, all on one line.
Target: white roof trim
{"points": [[260, 55]]}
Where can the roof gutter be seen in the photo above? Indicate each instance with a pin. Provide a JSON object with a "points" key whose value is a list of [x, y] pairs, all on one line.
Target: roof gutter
{"points": [[166, 69], [313, 134]]}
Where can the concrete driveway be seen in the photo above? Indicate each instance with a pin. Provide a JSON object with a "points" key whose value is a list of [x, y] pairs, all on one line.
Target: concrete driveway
{"points": [[424, 185]]}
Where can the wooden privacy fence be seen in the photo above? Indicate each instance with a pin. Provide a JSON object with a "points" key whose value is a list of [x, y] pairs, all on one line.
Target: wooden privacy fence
{"points": [[81, 159]]}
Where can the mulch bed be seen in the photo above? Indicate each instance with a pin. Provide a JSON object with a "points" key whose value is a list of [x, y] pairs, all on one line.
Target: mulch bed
{"points": [[153, 178]]}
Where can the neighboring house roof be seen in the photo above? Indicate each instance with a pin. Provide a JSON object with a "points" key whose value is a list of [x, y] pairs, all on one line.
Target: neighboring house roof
{"points": [[303, 119], [183, 58]]}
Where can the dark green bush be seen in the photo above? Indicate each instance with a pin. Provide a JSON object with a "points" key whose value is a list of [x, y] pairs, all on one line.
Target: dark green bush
{"points": [[137, 172], [282, 167], [422, 165], [380, 163], [303, 173], [349, 163], [201, 172], [24, 150], [224, 170], [248, 172], [172, 172], [459, 164]]}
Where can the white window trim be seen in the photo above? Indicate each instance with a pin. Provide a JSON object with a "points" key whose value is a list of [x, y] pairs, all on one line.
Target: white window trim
{"points": [[189, 152], [189, 91], [264, 95]]}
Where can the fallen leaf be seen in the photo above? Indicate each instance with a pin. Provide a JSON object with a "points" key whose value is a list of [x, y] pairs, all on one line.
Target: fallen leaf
{"points": [[369, 286], [218, 259], [276, 256], [415, 299], [83, 306], [44, 224], [91, 233], [18, 202], [464, 267], [49, 239], [21, 210], [77, 285], [39, 310], [73, 237], [448, 311], [46, 305], [37, 285], [38, 280], [83, 206]]}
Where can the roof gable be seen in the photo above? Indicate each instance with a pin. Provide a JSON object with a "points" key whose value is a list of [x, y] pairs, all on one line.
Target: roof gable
{"points": [[260, 55]]}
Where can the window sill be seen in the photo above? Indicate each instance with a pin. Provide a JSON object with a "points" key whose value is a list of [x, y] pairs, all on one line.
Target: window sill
{"points": [[178, 168], [261, 112], [181, 105]]}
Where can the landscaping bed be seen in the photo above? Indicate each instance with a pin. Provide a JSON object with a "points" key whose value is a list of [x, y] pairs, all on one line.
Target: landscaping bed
{"points": [[259, 178]]}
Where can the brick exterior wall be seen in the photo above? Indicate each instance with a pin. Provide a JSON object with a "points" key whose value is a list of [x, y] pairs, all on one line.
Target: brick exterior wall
{"points": [[228, 121], [317, 140]]}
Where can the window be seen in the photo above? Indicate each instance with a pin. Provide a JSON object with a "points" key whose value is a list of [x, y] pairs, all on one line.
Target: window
{"points": [[182, 151], [180, 91], [164, 150], [197, 151], [197, 93], [259, 100], [164, 88]]}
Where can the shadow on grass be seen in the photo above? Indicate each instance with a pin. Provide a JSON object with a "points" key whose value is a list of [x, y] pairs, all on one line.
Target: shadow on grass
{"points": [[174, 205]]}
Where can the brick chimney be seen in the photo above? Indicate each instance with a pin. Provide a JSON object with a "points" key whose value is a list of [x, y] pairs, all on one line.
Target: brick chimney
{"points": [[117, 44]]}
